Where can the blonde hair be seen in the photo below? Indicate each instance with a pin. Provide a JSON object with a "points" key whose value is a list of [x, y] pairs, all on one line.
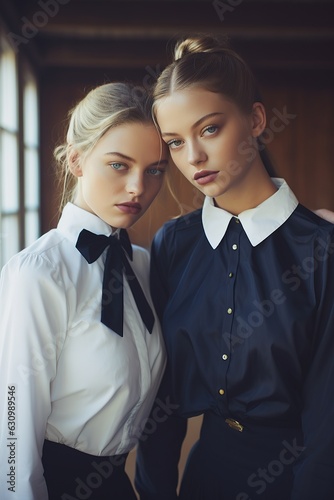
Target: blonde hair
{"points": [[210, 63], [104, 107]]}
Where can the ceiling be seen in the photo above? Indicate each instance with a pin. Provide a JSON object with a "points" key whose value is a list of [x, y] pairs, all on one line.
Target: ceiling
{"points": [[136, 34]]}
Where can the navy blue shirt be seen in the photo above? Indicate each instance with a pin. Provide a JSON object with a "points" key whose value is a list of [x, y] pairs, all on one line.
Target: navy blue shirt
{"points": [[249, 332]]}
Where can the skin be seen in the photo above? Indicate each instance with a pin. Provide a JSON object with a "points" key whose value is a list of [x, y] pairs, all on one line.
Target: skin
{"points": [[325, 214], [206, 132], [119, 179]]}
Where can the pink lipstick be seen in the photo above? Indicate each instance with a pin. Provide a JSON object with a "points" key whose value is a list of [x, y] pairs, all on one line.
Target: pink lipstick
{"points": [[129, 207], [205, 176]]}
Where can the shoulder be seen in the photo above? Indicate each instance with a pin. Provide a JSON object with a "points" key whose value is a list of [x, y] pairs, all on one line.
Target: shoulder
{"points": [[312, 233], [185, 222], [326, 214], [310, 222], [183, 227], [37, 261]]}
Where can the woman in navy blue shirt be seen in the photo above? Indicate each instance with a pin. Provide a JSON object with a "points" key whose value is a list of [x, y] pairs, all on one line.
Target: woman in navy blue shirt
{"points": [[244, 289]]}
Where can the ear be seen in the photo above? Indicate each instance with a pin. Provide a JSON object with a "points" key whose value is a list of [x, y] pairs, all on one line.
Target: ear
{"points": [[74, 162], [259, 119]]}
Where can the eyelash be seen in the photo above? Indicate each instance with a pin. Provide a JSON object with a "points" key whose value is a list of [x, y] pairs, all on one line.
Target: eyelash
{"points": [[116, 163], [155, 172], [171, 144], [210, 126]]}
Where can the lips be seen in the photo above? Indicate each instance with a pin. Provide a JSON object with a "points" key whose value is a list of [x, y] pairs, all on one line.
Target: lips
{"points": [[205, 176], [129, 207]]}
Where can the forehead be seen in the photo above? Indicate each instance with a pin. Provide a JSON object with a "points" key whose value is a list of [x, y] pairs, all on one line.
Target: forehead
{"points": [[129, 130], [131, 139], [184, 107], [137, 143]]}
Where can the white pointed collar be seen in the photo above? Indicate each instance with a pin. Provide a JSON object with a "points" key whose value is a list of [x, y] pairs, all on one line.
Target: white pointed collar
{"points": [[258, 223]]}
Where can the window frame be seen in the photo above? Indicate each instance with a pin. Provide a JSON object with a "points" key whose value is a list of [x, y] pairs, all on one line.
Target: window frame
{"points": [[25, 74]]}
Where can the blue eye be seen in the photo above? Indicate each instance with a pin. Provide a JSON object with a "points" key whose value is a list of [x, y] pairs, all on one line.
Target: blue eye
{"points": [[117, 166], [155, 171], [174, 143], [211, 129]]}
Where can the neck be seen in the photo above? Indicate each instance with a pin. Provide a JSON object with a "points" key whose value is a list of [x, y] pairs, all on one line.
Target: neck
{"points": [[250, 192]]}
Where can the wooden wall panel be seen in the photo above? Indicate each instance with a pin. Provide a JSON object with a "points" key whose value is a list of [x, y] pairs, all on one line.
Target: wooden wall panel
{"points": [[302, 150]]}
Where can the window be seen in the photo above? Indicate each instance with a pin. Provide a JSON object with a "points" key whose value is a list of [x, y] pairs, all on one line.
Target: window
{"points": [[19, 153], [31, 158]]}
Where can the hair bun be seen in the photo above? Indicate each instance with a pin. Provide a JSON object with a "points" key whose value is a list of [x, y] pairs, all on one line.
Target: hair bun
{"points": [[198, 43]]}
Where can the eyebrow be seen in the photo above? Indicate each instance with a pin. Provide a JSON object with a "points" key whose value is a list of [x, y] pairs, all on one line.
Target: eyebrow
{"points": [[128, 158], [195, 124], [121, 155]]}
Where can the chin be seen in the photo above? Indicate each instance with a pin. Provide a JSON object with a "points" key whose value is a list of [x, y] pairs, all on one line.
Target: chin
{"points": [[124, 224], [214, 192]]}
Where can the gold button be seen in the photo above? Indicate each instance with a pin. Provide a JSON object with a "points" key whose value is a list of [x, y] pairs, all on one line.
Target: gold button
{"points": [[221, 392], [230, 275], [234, 247], [229, 311], [224, 356]]}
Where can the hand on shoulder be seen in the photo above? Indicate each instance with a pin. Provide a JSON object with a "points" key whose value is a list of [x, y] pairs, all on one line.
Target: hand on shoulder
{"points": [[325, 214]]}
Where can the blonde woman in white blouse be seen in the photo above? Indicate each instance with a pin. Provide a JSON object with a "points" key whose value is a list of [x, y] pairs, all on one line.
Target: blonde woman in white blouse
{"points": [[74, 392]]}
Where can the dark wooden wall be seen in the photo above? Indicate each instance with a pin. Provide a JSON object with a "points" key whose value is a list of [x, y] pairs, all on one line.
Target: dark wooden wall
{"points": [[289, 45], [302, 151]]}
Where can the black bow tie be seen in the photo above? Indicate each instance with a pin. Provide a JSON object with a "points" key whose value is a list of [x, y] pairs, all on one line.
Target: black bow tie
{"points": [[91, 246]]}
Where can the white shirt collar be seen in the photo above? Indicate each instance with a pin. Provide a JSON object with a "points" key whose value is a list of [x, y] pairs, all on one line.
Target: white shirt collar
{"points": [[74, 219], [258, 223]]}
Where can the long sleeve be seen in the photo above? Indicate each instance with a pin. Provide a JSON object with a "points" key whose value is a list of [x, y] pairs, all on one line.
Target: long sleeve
{"points": [[64, 375], [33, 324], [159, 451], [314, 474]]}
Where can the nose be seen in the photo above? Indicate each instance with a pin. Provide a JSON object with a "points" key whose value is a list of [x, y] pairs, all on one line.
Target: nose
{"points": [[135, 184], [196, 154]]}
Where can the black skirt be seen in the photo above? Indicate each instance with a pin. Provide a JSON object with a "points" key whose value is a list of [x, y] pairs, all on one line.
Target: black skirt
{"points": [[249, 464], [73, 475]]}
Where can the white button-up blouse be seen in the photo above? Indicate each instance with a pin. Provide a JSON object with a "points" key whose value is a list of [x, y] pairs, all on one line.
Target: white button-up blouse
{"points": [[65, 376]]}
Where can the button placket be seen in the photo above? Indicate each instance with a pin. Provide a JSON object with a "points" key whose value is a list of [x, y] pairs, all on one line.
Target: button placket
{"points": [[233, 260], [231, 257]]}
